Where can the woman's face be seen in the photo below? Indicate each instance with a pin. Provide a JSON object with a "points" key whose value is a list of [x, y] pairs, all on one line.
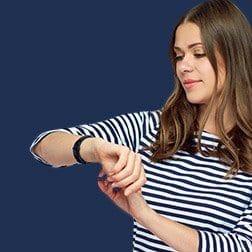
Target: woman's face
{"points": [[193, 68]]}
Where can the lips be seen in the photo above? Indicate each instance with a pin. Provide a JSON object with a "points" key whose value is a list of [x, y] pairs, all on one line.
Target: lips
{"points": [[190, 83]]}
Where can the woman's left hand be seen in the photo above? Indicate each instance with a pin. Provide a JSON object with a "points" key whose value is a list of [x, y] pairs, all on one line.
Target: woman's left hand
{"points": [[116, 195], [134, 204]]}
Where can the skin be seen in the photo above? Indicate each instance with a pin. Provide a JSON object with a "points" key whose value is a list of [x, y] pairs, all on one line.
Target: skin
{"points": [[191, 64], [123, 167], [196, 73]]}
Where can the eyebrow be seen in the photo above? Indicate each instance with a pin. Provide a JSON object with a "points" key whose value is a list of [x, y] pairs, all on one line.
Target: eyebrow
{"points": [[190, 46]]}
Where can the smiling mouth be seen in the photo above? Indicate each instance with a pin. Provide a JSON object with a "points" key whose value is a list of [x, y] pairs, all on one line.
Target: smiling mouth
{"points": [[190, 84]]}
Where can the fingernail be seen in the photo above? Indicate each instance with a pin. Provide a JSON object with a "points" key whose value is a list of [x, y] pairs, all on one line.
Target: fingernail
{"points": [[102, 178], [116, 189]]}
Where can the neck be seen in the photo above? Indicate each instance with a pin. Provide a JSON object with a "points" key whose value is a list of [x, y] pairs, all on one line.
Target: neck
{"points": [[210, 125]]}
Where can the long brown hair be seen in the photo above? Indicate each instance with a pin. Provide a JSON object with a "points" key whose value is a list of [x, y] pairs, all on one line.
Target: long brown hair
{"points": [[223, 26]]}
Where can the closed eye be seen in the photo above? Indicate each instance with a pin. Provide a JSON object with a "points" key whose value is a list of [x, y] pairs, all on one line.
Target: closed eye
{"points": [[199, 55], [178, 58]]}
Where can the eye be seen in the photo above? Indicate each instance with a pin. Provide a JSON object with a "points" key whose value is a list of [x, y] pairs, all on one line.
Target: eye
{"points": [[199, 55], [178, 58]]}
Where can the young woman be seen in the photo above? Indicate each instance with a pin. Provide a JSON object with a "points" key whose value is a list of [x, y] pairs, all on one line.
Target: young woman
{"points": [[184, 173]]}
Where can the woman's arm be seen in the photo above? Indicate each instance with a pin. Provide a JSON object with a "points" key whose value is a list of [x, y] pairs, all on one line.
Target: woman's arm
{"points": [[178, 236], [184, 238], [56, 149], [122, 166]]}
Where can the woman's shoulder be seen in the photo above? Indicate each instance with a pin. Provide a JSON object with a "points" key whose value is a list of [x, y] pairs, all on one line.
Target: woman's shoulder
{"points": [[151, 117], [144, 116]]}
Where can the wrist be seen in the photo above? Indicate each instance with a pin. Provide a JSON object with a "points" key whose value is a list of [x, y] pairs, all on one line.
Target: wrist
{"points": [[76, 149], [88, 149], [145, 216], [139, 209]]}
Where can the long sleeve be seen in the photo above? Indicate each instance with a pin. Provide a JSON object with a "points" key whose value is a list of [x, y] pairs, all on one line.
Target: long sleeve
{"points": [[240, 239], [126, 129]]}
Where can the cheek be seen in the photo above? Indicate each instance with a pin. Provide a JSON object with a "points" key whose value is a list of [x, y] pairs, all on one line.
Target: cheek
{"points": [[178, 73], [206, 73]]}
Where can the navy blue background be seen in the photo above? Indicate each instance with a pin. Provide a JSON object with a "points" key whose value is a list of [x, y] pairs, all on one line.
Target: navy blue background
{"points": [[67, 63]]}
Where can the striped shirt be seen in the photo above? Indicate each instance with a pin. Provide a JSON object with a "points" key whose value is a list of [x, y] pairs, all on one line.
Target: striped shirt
{"points": [[189, 188]]}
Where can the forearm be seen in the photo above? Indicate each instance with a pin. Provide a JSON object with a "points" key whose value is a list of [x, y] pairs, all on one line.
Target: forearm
{"points": [[178, 236], [56, 149]]}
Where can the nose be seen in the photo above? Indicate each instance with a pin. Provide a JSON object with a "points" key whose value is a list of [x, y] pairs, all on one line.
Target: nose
{"points": [[185, 65]]}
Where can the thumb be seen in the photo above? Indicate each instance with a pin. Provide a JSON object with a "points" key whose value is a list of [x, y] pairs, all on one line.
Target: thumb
{"points": [[102, 181], [102, 176]]}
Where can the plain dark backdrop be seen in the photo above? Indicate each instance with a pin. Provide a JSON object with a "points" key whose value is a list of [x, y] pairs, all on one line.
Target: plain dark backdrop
{"points": [[65, 63]]}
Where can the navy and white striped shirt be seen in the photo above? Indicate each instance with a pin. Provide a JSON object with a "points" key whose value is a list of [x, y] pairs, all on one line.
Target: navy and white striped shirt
{"points": [[189, 189]]}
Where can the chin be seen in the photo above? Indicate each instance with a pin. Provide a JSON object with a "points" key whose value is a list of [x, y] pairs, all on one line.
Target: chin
{"points": [[194, 100]]}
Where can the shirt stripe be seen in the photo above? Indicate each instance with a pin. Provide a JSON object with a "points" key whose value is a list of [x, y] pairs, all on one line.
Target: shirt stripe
{"points": [[190, 188]]}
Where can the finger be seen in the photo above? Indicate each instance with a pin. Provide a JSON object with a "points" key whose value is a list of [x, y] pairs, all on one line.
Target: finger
{"points": [[123, 153], [129, 168], [102, 186], [116, 189], [101, 173], [102, 182], [107, 189], [136, 186], [102, 178], [131, 172]]}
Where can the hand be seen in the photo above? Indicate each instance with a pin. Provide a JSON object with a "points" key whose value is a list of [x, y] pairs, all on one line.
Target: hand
{"points": [[123, 167], [134, 204], [117, 196]]}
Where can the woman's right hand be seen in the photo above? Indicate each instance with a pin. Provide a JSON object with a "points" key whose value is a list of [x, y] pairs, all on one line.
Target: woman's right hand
{"points": [[123, 167]]}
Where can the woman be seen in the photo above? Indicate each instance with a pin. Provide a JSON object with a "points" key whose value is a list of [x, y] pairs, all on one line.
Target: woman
{"points": [[185, 172]]}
